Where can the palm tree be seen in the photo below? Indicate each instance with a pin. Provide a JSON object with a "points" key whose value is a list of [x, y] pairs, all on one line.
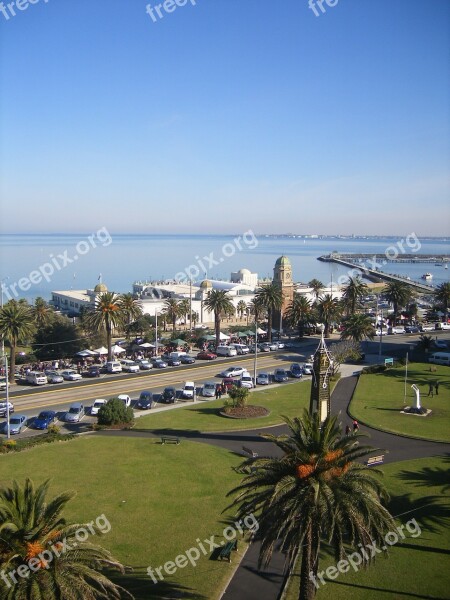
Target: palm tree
{"points": [[219, 302], [42, 312], [270, 296], [195, 318], [241, 308], [257, 309], [172, 311], [185, 309], [317, 286], [398, 294], [16, 323], [425, 343], [353, 293], [299, 312], [442, 295], [328, 309], [358, 327], [316, 492], [32, 528], [131, 308], [106, 315]]}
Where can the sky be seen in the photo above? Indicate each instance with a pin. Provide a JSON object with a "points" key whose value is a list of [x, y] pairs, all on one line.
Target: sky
{"points": [[222, 116]]}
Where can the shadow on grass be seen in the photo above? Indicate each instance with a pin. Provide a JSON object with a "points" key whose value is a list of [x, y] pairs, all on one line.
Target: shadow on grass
{"points": [[431, 512], [374, 591], [429, 476], [143, 587]]}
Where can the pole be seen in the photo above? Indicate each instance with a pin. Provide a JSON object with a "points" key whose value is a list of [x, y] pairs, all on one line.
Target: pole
{"points": [[381, 335], [190, 305], [5, 360], [256, 351], [406, 377], [156, 334]]}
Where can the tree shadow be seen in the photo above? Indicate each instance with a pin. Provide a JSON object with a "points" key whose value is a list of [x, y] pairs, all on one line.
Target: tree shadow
{"points": [[430, 512], [142, 586], [381, 590], [429, 476]]}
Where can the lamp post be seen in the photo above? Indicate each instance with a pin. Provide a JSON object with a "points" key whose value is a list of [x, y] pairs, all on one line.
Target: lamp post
{"points": [[156, 333], [5, 361], [256, 351]]}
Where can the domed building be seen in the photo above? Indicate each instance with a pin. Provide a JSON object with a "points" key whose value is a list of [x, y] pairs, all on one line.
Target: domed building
{"points": [[246, 277], [100, 288], [282, 276]]}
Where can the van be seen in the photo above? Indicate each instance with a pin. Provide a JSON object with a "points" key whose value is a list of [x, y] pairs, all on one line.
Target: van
{"points": [[113, 366], [246, 380], [241, 348], [226, 351], [176, 355], [36, 378], [188, 390], [440, 358], [130, 366]]}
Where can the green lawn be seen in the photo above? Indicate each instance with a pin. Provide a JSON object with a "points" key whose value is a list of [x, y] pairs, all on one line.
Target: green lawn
{"points": [[417, 567], [158, 500], [379, 398], [286, 400]]}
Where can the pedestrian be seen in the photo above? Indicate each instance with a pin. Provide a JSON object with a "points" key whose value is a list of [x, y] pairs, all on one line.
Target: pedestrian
{"points": [[224, 388], [217, 392], [347, 430], [430, 390], [436, 388], [355, 426]]}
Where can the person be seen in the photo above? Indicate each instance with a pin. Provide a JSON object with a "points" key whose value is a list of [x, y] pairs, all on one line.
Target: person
{"points": [[436, 388], [355, 426], [347, 430], [217, 392], [430, 390]]}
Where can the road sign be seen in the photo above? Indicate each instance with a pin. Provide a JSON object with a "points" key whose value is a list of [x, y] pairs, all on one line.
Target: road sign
{"points": [[388, 361]]}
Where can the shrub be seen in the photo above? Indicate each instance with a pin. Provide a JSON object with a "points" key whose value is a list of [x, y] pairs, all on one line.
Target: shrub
{"points": [[373, 369], [114, 412], [53, 429], [239, 395]]}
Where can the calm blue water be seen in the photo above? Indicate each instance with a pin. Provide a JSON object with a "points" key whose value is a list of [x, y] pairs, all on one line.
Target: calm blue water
{"points": [[122, 259]]}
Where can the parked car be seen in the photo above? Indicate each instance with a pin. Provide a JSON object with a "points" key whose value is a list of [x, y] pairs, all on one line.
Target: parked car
{"points": [[97, 406], [224, 350], [158, 363], [75, 413], [53, 376], [264, 347], [246, 380], [125, 398], [145, 401], [296, 371], [129, 366], [411, 329], [280, 375], [263, 379], [440, 344], [3, 407], [426, 327], [187, 360], [307, 368], [169, 395], [16, 424], [71, 375], [36, 378], [440, 325], [232, 372], [241, 348], [396, 329], [173, 362], [113, 366], [3, 383], [209, 389], [44, 419], [206, 355], [93, 371], [144, 364], [228, 382], [188, 390]]}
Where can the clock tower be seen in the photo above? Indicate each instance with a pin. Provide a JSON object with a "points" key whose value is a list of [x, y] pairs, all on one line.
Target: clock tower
{"points": [[320, 385], [282, 276]]}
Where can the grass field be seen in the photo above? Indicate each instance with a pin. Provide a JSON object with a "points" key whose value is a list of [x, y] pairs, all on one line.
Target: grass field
{"points": [[417, 567], [379, 398], [158, 500]]}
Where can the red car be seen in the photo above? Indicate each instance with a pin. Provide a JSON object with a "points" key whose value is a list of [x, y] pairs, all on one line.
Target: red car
{"points": [[205, 355], [228, 382]]}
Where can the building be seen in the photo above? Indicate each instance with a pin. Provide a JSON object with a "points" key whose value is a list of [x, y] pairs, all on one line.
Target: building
{"points": [[320, 385], [246, 277], [71, 302], [282, 276]]}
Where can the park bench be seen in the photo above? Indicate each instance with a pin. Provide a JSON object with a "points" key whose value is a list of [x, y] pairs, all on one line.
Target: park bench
{"points": [[252, 453], [375, 460], [170, 440], [225, 552]]}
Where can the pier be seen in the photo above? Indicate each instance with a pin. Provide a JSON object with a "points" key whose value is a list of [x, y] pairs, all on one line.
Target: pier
{"points": [[385, 258]]}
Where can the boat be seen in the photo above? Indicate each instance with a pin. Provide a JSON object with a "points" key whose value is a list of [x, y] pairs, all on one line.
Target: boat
{"points": [[427, 276]]}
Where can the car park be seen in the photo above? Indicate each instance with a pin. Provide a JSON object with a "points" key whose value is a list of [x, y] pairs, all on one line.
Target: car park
{"points": [[44, 419], [36, 378], [169, 395], [206, 355], [307, 368], [3, 408], [71, 375], [187, 360], [158, 363], [145, 401], [209, 389], [188, 390], [97, 406], [232, 372], [125, 398], [296, 371], [263, 379], [93, 371], [246, 380], [54, 376], [129, 366], [16, 424], [280, 375], [144, 364], [75, 413]]}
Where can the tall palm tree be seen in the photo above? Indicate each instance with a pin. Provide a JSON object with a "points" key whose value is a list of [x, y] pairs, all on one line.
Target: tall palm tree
{"points": [[185, 309], [299, 313], [219, 302], [131, 308], [16, 323], [317, 286], [257, 309], [328, 309], [241, 308], [270, 296], [358, 327], [106, 315], [172, 311], [42, 312], [442, 295], [398, 294], [29, 526], [353, 293], [316, 492]]}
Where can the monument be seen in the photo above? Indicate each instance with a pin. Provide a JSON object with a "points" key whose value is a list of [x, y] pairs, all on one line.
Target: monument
{"points": [[282, 276], [418, 409], [320, 385]]}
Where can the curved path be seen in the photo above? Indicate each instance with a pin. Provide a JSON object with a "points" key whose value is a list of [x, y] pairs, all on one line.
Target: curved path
{"points": [[249, 582]]}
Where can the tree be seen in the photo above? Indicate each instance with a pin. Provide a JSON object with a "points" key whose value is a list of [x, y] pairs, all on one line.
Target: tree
{"points": [[425, 343], [398, 294], [106, 315], [316, 492], [219, 302], [317, 286], [16, 324], [241, 308], [195, 318], [442, 295], [239, 395], [185, 309], [328, 309], [353, 293], [58, 339], [114, 412], [342, 351], [42, 312], [130, 307], [357, 327], [257, 309], [270, 296], [65, 566], [299, 313], [172, 311]]}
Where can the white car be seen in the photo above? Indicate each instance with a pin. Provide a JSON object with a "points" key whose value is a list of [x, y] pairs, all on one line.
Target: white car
{"points": [[3, 383], [144, 364], [427, 327], [246, 380], [209, 389], [307, 368], [232, 372], [3, 410], [97, 406], [71, 375], [188, 390], [125, 398], [263, 379], [129, 366], [442, 325], [396, 329]]}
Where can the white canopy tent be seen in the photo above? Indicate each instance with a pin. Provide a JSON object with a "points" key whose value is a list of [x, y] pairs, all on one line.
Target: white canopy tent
{"points": [[146, 345], [101, 350], [117, 350]]}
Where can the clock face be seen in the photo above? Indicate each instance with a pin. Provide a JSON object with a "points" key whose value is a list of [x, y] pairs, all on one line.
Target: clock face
{"points": [[288, 276]]}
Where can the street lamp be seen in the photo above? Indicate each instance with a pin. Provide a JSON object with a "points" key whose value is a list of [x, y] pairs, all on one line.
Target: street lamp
{"points": [[5, 359], [256, 350]]}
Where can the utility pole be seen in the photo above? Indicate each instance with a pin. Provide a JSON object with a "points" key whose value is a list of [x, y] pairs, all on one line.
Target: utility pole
{"points": [[256, 351], [5, 361]]}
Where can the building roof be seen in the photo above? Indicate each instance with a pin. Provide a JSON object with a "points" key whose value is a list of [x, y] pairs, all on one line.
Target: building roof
{"points": [[283, 261], [100, 288]]}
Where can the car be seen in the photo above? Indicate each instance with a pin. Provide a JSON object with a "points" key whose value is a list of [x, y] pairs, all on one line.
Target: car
{"points": [[169, 395], [125, 398], [144, 364], [280, 375], [36, 378], [241, 348], [228, 382], [3, 384], [440, 344], [307, 368], [246, 380], [44, 419], [273, 346], [97, 406], [71, 375], [93, 371], [205, 355], [232, 372], [396, 329], [158, 363], [53, 376], [75, 413], [3, 407], [145, 401], [426, 327], [173, 362], [113, 366], [187, 360], [281, 345], [129, 366], [264, 347], [209, 389], [263, 379], [188, 390], [411, 329], [440, 325], [296, 371], [16, 424]]}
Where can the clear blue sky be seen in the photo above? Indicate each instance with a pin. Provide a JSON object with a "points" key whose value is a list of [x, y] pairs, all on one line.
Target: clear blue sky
{"points": [[226, 116]]}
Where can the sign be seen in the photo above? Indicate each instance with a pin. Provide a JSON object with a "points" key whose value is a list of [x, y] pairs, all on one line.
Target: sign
{"points": [[388, 361]]}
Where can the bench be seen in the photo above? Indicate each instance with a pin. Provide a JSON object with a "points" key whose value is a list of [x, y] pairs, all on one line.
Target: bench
{"points": [[225, 552], [252, 453], [375, 460], [170, 440]]}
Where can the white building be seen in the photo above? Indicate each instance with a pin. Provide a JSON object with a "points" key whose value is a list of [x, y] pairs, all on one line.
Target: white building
{"points": [[246, 277]]}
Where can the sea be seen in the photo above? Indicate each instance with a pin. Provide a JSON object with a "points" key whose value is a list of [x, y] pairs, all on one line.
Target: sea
{"points": [[34, 265]]}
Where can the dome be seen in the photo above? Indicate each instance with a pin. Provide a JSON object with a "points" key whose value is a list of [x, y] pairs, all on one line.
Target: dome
{"points": [[283, 261], [244, 272], [100, 288], [206, 284]]}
